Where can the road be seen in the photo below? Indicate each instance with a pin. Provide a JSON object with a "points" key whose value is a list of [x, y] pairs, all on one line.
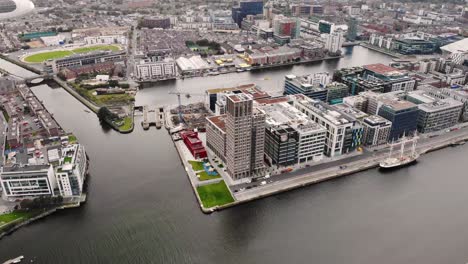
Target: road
{"points": [[320, 172]]}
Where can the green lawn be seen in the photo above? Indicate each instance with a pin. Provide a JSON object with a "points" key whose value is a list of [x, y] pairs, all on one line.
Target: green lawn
{"points": [[98, 47], [214, 194], [196, 165], [107, 99], [72, 139], [41, 57], [127, 124], [204, 176], [10, 217], [48, 55], [67, 160]]}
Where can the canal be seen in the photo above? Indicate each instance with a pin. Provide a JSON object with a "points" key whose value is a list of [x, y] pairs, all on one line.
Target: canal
{"points": [[141, 208]]}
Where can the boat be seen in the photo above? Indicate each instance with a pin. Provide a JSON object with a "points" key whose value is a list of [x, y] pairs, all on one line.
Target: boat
{"points": [[402, 159], [15, 260]]}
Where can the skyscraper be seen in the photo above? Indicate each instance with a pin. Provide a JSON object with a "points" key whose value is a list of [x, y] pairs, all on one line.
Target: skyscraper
{"points": [[352, 29], [245, 137], [246, 7]]}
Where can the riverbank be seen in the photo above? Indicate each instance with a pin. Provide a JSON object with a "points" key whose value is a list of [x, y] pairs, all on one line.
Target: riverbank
{"points": [[351, 165], [383, 51]]}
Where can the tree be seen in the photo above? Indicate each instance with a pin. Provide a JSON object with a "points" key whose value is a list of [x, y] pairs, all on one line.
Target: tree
{"points": [[105, 115], [113, 83]]}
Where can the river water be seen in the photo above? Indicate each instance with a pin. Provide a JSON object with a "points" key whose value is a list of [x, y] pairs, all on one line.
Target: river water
{"points": [[141, 208]]}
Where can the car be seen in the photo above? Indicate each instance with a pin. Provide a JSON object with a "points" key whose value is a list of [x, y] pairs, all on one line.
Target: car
{"points": [[263, 183]]}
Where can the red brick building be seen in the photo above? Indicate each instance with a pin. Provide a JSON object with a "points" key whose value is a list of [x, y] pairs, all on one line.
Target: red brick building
{"points": [[194, 144]]}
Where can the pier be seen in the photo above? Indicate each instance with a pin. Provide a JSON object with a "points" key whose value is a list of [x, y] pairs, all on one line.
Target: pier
{"points": [[152, 116]]}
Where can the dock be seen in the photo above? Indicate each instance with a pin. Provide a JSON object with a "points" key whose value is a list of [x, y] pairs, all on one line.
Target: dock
{"points": [[153, 116]]}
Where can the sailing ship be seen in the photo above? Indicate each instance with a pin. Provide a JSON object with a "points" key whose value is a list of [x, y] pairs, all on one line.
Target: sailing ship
{"points": [[402, 159]]}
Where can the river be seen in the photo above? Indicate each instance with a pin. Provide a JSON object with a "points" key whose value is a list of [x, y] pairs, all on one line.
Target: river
{"points": [[141, 208]]}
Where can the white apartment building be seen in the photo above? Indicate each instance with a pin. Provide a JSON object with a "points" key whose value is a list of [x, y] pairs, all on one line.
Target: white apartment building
{"points": [[107, 40], [334, 41], [321, 113], [71, 173], [27, 181], [165, 69]]}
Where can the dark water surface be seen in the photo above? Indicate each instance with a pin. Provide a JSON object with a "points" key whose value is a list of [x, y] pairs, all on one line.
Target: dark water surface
{"points": [[141, 208]]}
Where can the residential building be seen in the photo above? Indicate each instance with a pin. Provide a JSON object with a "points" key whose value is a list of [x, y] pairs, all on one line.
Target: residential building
{"points": [[164, 69], [71, 173], [245, 137], [156, 22], [334, 41], [216, 135], [376, 130], [285, 26], [27, 181]]}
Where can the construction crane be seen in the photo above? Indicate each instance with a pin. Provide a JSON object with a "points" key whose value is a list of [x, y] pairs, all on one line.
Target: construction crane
{"points": [[187, 95]]}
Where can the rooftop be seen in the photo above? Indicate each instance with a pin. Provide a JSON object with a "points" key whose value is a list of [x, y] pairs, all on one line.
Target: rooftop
{"points": [[219, 121], [382, 69]]}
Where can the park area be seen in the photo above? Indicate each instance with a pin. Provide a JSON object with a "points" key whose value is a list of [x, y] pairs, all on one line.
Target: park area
{"points": [[57, 54], [215, 194], [16, 216]]}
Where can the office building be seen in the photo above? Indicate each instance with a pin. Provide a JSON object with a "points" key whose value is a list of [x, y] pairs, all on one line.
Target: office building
{"points": [[352, 29], [285, 26], [291, 137], [27, 181], [312, 85], [402, 114], [337, 125], [435, 113], [376, 130], [246, 7], [336, 92]]}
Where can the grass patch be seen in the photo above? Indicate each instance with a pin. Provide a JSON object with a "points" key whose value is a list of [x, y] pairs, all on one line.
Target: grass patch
{"points": [[50, 55], [57, 54], [72, 139], [196, 165], [204, 176], [10, 217], [214, 194], [67, 160], [94, 48], [105, 99], [127, 124]]}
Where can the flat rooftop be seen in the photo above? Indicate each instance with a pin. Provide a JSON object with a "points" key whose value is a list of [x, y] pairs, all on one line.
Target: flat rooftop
{"points": [[219, 121], [382, 69]]}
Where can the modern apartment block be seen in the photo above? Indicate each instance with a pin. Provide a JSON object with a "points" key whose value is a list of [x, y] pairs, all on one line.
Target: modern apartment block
{"points": [[291, 137], [159, 70], [434, 113], [27, 181], [402, 114], [376, 130], [71, 172], [239, 137], [334, 41], [337, 124], [312, 85]]}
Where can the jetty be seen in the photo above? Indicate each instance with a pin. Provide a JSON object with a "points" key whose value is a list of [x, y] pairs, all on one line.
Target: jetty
{"points": [[152, 116]]}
